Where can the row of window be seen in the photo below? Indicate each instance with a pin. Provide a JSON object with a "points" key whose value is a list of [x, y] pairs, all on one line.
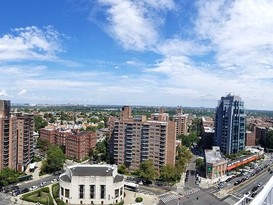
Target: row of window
{"points": [[92, 193]]}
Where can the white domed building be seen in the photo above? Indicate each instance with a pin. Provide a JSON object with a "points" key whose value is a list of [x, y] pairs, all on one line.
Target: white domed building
{"points": [[91, 184]]}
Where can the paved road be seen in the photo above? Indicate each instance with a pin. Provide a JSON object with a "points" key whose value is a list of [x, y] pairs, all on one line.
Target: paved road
{"points": [[202, 198], [5, 199], [29, 184]]}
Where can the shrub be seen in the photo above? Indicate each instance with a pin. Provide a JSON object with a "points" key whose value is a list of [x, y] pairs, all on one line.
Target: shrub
{"points": [[139, 199]]}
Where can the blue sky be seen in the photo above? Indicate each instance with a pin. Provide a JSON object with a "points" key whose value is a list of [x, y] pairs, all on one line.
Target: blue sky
{"points": [[137, 52]]}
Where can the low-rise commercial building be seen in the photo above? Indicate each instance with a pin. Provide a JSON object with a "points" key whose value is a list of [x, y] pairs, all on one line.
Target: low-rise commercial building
{"points": [[216, 164], [91, 184]]}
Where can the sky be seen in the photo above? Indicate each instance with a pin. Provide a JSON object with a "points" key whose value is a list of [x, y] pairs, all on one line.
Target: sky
{"points": [[137, 52]]}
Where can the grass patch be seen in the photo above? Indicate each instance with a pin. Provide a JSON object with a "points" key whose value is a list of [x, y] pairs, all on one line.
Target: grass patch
{"points": [[55, 192], [41, 195]]}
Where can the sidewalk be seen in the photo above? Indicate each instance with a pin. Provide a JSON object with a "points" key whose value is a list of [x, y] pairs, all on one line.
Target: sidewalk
{"points": [[18, 200], [130, 198]]}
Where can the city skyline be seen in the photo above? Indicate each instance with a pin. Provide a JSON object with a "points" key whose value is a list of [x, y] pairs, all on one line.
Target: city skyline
{"points": [[146, 52]]}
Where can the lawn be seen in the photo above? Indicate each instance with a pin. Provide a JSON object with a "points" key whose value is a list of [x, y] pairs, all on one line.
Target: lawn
{"points": [[41, 195]]}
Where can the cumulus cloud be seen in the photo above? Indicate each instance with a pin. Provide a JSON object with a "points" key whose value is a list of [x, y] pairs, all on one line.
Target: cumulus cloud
{"points": [[134, 24], [3, 93], [30, 43]]}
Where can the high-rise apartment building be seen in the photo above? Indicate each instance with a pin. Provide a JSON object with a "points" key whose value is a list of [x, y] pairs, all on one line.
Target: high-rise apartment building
{"points": [[25, 127], [181, 120], [135, 139], [16, 138], [230, 121], [8, 137]]}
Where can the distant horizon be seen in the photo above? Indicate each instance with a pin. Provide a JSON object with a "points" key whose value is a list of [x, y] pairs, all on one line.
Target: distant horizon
{"points": [[165, 52], [121, 105]]}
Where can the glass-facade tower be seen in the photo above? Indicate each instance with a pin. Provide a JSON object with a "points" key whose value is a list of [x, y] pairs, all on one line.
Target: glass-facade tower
{"points": [[230, 120]]}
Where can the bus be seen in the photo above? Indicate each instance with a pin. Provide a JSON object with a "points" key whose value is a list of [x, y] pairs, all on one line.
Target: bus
{"points": [[131, 186]]}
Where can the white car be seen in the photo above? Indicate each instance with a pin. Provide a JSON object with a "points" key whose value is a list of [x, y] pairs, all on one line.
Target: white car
{"points": [[33, 188], [42, 184], [53, 181]]}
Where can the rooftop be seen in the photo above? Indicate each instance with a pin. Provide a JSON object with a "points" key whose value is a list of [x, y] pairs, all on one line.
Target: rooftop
{"points": [[214, 155]]}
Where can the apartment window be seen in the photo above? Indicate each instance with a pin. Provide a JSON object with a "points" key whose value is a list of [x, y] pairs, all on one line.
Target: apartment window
{"points": [[116, 193], [121, 192], [66, 193], [102, 191], [92, 191], [81, 191], [62, 191]]}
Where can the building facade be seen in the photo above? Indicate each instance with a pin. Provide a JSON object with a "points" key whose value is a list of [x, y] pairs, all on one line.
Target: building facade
{"points": [[16, 138], [78, 145], [230, 121], [91, 184], [216, 164], [25, 151], [181, 120], [135, 139]]}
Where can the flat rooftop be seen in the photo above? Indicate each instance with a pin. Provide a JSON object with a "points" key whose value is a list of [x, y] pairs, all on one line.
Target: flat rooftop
{"points": [[214, 155]]}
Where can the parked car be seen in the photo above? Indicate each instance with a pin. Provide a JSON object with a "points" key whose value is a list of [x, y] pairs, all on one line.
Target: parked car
{"points": [[25, 191], [33, 188], [42, 184], [54, 181]]}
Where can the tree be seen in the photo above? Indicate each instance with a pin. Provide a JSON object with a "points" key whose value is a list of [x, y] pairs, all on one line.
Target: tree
{"points": [[199, 164], [122, 169], [269, 139], [8, 176], [39, 123], [169, 174], [147, 170], [43, 144], [188, 140], [54, 160]]}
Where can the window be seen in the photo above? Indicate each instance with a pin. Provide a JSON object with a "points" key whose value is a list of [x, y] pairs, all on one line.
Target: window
{"points": [[81, 191], [66, 193], [120, 193], [102, 191], [92, 191], [62, 191], [116, 193]]}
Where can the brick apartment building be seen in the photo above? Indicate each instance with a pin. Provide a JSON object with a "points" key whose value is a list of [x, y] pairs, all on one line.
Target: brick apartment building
{"points": [[181, 120], [250, 139], [16, 138], [136, 139], [25, 151], [77, 144]]}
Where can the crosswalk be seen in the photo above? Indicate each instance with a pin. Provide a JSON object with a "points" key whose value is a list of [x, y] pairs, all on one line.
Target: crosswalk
{"points": [[189, 192]]}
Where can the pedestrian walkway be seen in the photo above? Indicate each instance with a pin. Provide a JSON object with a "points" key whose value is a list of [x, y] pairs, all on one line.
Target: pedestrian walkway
{"points": [[17, 199]]}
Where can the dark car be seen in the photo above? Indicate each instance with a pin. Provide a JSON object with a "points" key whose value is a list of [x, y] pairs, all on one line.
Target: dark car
{"points": [[254, 188], [237, 182], [25, 191]]}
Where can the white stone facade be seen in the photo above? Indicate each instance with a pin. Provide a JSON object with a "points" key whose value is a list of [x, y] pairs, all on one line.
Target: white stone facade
{"points": [[91, 184]]}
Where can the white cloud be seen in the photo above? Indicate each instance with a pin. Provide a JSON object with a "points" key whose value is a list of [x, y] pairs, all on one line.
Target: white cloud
{"points": [[134, 23], [22, 92], [3, 93], [30, 43]]}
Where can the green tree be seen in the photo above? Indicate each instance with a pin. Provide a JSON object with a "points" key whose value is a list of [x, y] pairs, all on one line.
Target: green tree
{"points": [[147, 170], [169, 174], [200, 163], [8, 176], [39, 122], [188, 140], [122, 169], [269, 139], [54, 160], [43, 144], [183, 157]]}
